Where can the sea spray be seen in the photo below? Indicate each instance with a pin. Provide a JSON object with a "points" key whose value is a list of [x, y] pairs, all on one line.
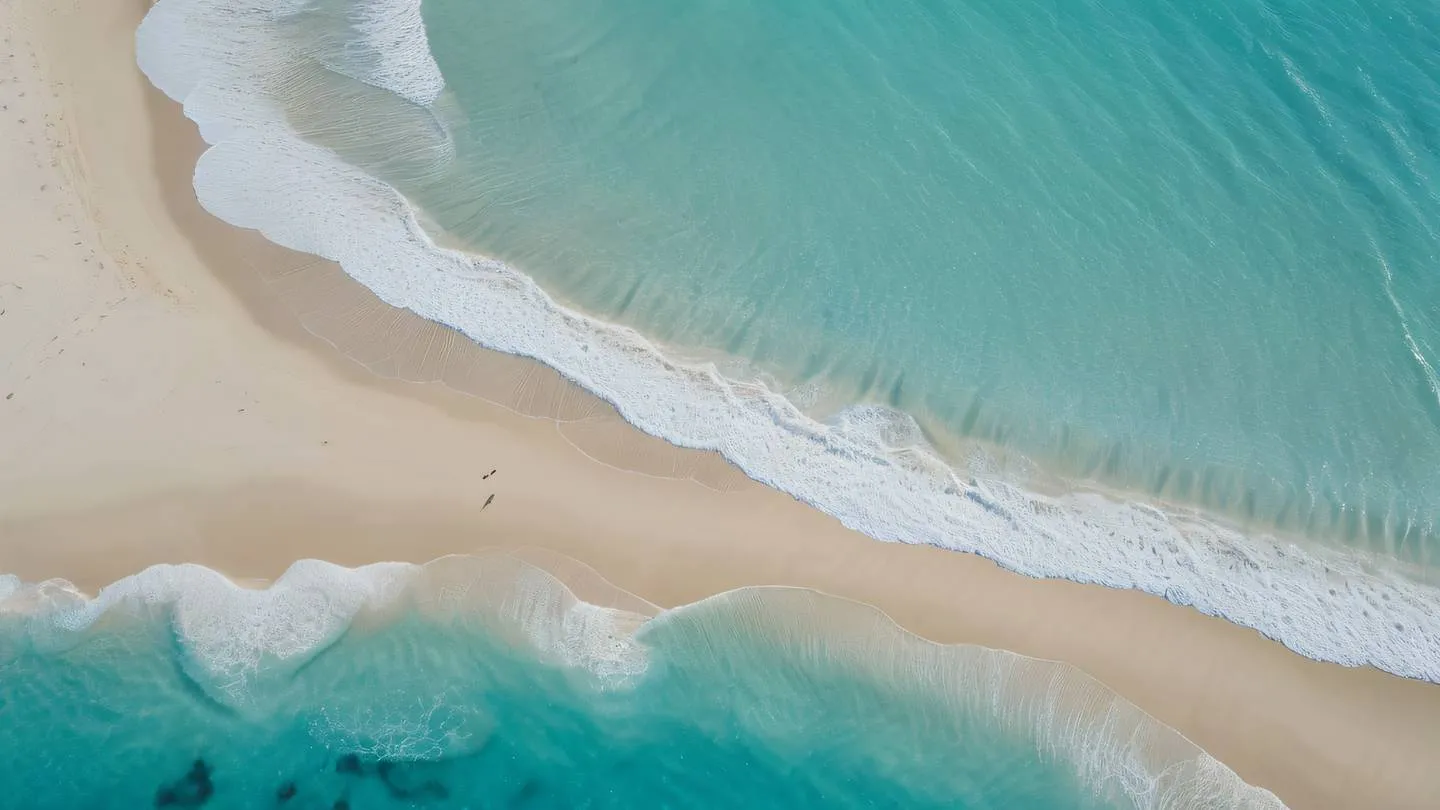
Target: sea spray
{"points": [[486, 677], [236, 67]]}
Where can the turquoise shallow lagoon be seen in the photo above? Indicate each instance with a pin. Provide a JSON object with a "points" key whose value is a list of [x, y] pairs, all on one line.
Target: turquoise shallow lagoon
{"points": [[944, 270], [482, 682]]}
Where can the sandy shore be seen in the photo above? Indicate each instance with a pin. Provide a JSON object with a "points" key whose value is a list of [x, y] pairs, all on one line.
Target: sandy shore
{"points": [[160, 401]]}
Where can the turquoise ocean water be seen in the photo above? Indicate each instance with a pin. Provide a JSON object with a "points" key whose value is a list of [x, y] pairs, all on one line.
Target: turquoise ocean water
{"points": [[484, 683], [1186, 249], [945, 270]]}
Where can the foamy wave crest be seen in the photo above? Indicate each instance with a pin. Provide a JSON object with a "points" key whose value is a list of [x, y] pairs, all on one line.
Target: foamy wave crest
{"points": [[395, 34], [229, 62], [236, 641]]}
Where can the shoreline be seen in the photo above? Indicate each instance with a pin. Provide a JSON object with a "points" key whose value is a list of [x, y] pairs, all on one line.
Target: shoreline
{"points": [[292, 441], [862, 468]]}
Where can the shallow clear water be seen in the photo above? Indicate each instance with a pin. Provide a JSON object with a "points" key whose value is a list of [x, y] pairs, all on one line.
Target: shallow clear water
{"points": [[1186, 249], [427, 700]]}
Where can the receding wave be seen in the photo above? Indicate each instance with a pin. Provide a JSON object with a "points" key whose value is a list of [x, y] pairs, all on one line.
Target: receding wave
{"points": [[773, 652], [248, 77]]}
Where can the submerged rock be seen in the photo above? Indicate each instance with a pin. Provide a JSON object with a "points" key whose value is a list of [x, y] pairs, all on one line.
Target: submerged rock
{"points": [[403, 780], [350, 765], [529, 791], [193, 790], [402, 785]]}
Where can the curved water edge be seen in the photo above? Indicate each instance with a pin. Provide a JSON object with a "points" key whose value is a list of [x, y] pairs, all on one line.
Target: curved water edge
{"points": [[240, 74], [241, 646]]}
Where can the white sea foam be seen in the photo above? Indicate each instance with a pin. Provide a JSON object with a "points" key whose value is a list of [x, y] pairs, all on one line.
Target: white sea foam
{"points": [[228, 634], [235, 641], [224, 59], [395, 34]]}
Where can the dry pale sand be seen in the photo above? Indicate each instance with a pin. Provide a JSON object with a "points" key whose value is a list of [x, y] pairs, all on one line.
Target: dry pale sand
{"points": [[161, 401]]}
